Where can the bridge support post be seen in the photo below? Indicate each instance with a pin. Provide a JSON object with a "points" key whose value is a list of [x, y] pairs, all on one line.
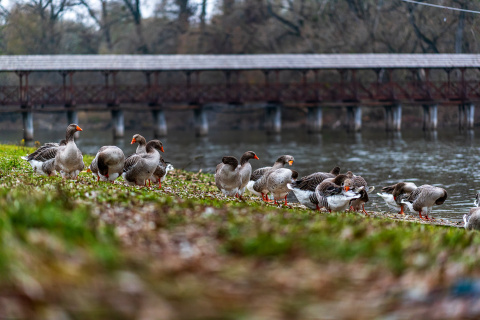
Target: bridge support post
{"points": [[160, 124], [388, 118], [118, 124], [430, 117], [27, 117], [466, 116], [470, 116], [314, 119], [201, 122], [273, 118], [397, 117], [354, 118]]}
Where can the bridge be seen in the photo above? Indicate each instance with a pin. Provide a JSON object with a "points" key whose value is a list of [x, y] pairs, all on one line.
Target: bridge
{"points": [[274, 80]]}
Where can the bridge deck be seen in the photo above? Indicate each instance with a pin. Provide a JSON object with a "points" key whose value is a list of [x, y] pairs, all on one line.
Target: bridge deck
{"points": [[234, 62]]}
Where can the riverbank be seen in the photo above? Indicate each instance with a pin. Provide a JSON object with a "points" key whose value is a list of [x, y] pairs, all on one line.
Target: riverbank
{"points": [[98, 250]]}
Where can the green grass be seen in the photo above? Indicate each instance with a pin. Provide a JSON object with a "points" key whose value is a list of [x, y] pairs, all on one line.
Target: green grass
{"points": [[98, 250]]}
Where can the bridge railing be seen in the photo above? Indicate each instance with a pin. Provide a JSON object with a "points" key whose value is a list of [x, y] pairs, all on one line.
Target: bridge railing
{"points": [[322, 92]]}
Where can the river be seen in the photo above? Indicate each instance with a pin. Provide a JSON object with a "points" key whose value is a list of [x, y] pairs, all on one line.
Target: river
{"points": [[447, 158]]}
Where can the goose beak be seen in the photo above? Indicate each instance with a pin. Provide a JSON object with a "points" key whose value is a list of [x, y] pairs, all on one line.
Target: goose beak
{"points": [[256, 157], [133, 141], [347, 188], [161, 149], [290, 162], [78, 128], [88, 170]]}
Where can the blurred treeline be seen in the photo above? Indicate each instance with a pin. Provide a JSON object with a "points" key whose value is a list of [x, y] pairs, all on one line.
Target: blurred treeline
{"points": [[237, 26]]}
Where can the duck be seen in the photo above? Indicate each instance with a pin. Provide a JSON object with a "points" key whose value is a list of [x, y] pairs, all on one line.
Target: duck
{"points": [[161, 172], [227, 176], [258, 180], [42, 160], [311, 181], [357, 183], [334, 197], [108, 163], [472, 220], [423, 198], [245, 171], [306, 196], [394, 194], [69, 159], [277, 183], [140, 167]]}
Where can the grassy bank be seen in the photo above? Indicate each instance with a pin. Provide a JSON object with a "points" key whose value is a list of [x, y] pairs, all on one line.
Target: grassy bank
{"points": [[86, 249]]}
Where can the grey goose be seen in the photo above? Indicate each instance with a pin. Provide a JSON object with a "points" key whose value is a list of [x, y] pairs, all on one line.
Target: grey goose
{"points": [[108, 163], [42, 160], [69, 159], [140, 167]]}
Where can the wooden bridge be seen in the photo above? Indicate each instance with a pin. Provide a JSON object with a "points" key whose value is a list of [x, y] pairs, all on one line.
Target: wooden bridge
{"points": [[276, 80]]}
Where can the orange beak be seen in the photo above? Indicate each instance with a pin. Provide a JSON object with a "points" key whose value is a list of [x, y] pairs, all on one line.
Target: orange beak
{"points": [[88, 170], [133, 141], [256, 157], [78, 128], [347, 188], [161, 149], [290, 162]]}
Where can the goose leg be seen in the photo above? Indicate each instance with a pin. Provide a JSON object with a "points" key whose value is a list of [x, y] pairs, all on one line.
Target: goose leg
{"points": [[286, 201], [401, 210], [363, 209], [159, 184]]}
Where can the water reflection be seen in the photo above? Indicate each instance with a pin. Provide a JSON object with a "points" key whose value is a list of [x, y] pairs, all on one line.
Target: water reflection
{"points": [[447, 158]]}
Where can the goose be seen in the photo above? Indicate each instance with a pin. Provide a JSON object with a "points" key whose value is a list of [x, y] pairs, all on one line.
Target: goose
{"points": [[69, 159], [227, 177], [142, 143], [472, 220], [108, 163], [245, 170], [357, 183], [258, 180], [161, 172], [279, 163], [424, 198], [277, 183], [139, 167], [333, 197], [311, 181], [394, 194], [307, 197], [42, 160]]}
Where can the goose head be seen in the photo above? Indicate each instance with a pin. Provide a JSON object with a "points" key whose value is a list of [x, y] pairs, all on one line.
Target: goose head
{"points": [[137, 138], [285, 159], [155, 144], [335, 171], [247, 156], [231, 161], [71, 129]]}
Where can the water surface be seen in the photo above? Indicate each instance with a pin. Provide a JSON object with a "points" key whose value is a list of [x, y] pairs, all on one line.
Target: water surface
{"points": [[447, 158]]}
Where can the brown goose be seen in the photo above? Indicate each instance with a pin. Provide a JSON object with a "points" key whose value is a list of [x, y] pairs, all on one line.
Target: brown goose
{"points": [[357, 183], [281, 161], [277, 183], [139, 167], [161, 172], [108, 163], [69, 159], [227, 177], [334, 197], [311, 181], [424, 198], [394, 194], [245, 170], [308, 198], [472, 220], [42, 160], [258, 180]]}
